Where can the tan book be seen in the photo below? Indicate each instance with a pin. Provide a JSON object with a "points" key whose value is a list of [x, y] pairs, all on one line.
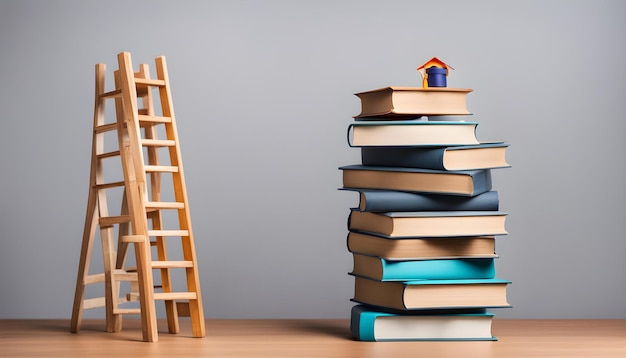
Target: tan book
{"points": [[429, 223], [421, 248], [468, 182], [431, 294], [395, 102]]}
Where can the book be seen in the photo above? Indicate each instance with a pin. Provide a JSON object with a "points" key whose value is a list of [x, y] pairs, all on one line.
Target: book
{"points": [[421, 248], [431, 294], [428, 223], [380, 269], [368, 324], [461, 182], [411, 133], [465, 157], [396, 102], [388, 200]]}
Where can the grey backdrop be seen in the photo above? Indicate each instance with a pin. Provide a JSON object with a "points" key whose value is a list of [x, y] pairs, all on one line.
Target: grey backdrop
{"points": [[263, 93]]}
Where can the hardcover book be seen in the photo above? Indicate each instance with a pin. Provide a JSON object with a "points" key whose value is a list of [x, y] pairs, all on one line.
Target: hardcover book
{"points": [[428, 223], [396, 102], [411, 133], [380, 269], [388, 200], [465, 157], [431, 294], [462, 182], [368, 324], [392, 249]]}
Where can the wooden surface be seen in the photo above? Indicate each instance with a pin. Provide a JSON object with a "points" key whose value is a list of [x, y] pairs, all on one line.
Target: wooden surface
{"points": [[306, 338]]}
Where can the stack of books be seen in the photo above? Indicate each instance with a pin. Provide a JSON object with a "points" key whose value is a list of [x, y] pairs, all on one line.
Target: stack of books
{"points": [[423, 233]]}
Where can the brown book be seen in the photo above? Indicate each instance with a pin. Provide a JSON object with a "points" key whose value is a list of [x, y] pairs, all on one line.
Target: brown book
{"points": [[429, 223], [431, 294], [395, 102], [466, 182], [421, 248]]}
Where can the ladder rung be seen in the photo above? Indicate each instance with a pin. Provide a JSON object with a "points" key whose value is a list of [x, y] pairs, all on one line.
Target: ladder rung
{"points": [[158, 142], [154, 119], [111, 94], [171, 264], [106, 127], [126, 310], [95, 278], [161, 168], [165, 296], [118, 275], [133, 238], [113, 220], [109, 154], [164, 205], [123, 275], [94, 302], [149, 82], [175, 296], [109, 185], [168, 233]]}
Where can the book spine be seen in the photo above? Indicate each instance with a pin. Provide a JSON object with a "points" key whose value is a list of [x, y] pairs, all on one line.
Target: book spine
{"points": [[362, 323]]}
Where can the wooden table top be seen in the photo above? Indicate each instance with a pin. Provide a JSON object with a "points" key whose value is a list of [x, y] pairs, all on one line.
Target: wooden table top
{"points": [[307, 338]]}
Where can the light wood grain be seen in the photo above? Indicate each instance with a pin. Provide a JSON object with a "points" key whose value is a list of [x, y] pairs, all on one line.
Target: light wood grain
{"points": [[306, 338]]}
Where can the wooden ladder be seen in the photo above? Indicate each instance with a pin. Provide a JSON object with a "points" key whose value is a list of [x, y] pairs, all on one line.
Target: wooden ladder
{"points": [[146, 208]]}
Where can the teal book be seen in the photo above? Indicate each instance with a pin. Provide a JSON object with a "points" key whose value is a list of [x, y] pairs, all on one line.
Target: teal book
{"points": [[387, 200], [464, 157], [431, 294], [368, 324], [459, 182], [411, 133], [439, 269]]}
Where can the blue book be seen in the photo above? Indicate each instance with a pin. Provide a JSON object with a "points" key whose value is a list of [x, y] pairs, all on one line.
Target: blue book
{"points": [[411, 133], [388, 200], [460, 182], [431, 294], [464, 157], [368, 324], [439, 269]]}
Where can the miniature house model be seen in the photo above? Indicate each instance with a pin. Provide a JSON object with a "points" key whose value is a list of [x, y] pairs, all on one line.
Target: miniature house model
{"points": [[434, 73]]}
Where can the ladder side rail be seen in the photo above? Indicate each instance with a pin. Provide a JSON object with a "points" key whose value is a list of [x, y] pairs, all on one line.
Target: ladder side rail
{"points": [[193, 282], [134, 176], [91, 217], [150, 131]]}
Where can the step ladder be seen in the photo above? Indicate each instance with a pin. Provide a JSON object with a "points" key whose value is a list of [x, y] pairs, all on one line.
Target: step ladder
{"points": [[153, 209]]}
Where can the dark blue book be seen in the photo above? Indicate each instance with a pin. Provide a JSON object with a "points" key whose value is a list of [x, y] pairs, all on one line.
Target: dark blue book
{"points": [[369, 324], [464, 157], [461, 182], [387, 200]]}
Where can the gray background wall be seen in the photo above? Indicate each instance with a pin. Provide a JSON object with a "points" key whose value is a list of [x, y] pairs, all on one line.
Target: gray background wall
{"points": [[263, 92]]}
